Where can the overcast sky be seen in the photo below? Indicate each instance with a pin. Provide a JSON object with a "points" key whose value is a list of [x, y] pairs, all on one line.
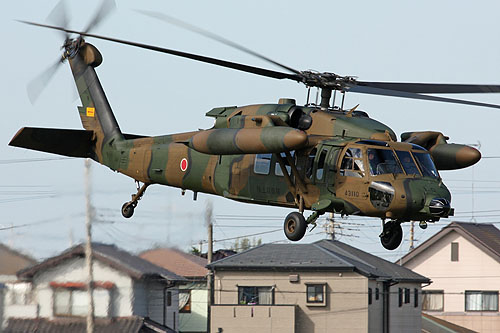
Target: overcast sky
{"points": [[155, 94]]}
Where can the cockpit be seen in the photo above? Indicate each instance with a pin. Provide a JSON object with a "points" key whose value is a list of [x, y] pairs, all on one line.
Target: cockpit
{"points": [[376, 158]]}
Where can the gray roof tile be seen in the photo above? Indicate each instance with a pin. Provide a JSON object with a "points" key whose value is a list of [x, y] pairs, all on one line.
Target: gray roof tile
{"points": [[321, 255]]}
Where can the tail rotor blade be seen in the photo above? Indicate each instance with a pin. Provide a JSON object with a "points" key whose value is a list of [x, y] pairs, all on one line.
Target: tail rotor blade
{"points": [[38, 84], [107, 6], [59, 16]]}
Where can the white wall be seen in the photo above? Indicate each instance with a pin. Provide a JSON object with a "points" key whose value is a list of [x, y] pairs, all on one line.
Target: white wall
{"points": [[196, 321]]}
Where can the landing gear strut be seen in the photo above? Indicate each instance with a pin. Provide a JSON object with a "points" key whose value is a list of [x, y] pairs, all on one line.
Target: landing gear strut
{"points": [[392, 235], [128, 207]]}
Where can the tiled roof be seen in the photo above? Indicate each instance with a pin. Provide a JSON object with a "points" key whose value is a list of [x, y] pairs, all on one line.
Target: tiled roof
{"points": [[78, 325], [176, 261], [111, 255], [13, 260], [321, 255], [484, 235]]}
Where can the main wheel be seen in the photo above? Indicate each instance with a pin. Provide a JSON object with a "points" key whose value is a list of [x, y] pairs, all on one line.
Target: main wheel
{"points": [[127, 210], [392, 235], [295, 226]]}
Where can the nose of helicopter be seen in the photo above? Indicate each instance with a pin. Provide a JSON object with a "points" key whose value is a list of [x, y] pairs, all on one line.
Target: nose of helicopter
{"points": [[428, 200]]}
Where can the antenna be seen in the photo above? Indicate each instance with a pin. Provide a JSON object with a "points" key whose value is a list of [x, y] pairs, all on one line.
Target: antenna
{"points": [[478, 146]]}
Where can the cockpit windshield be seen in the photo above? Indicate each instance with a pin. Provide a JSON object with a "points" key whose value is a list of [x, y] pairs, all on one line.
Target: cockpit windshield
{"points": [[407, 162], [426, 165], [382, 161]]}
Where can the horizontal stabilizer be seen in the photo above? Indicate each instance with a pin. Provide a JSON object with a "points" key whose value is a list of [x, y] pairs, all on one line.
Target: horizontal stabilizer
{"points": [[66, 142]]}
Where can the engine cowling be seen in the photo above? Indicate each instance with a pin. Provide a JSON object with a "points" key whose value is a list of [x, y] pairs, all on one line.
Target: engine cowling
{"points": [[446, 156]]}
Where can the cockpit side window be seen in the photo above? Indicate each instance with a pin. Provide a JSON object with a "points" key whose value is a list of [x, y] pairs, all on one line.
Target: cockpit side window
{"points": [[426, 164], [352, 163], [407, 162], [383, 161], [321, 164]]}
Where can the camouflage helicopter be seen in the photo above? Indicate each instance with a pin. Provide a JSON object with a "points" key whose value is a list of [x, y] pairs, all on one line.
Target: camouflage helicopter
{"points": [[304, 157]]}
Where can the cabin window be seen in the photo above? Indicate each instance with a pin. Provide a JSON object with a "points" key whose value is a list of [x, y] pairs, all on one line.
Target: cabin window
{"points": [[255, 295], [425, 163], [481, 300], [407, 162], [184, 301], [382, 161], [432, 300], [262, 164], [352, 163], [277, 168], [310, 163], [321, 165]]}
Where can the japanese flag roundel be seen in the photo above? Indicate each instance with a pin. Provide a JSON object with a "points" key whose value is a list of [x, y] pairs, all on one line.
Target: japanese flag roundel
{"points": [[184, 164]]}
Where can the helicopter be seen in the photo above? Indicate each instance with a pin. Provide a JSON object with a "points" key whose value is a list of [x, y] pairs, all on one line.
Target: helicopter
{"points": [[318, 156]]}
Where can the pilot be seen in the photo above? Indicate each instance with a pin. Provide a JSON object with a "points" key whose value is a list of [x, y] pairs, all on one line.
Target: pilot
{"points": [[373, 161]]}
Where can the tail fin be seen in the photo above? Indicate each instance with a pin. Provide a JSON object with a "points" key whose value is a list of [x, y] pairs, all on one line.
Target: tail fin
{"points": [[95, 113]]}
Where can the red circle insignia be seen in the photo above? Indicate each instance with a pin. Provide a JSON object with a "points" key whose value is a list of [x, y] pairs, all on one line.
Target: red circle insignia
{"points": [[184, 164]]}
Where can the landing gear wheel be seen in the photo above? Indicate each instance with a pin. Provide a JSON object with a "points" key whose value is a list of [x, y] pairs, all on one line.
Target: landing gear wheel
{"points": [[128, 210], [295, 226], [392, 235]]}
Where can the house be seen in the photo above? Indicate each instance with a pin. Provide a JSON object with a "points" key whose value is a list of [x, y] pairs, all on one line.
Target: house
{"points": [[463, 261], [14, 293], [314, 288], [193, 297], [12, 261], [128, 292]]}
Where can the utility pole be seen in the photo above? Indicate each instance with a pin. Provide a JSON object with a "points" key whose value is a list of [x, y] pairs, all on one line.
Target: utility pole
{"points": [[210, 280], [412, 234], [330, 227], [88, 249]]}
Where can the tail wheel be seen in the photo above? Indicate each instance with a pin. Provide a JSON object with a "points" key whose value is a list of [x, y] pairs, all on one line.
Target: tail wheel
{"points": [[295, 226], [128, 210], [392, 235]]}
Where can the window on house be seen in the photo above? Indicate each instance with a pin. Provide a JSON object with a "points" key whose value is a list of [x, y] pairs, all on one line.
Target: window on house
{"points": [[377, 294], [407, 295], [185, 301], [369, 296], [481, 300], [316, 293], [169, 298], [400, 296], [454, 251], [415, 297], [262, 164], [432, 300], [255, 295], [75, 302]]}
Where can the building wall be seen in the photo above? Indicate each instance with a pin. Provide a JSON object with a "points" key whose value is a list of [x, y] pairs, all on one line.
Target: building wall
{"points": [[73, 270], [346, 307], [407, 317], [196, 321], [474, 270]]}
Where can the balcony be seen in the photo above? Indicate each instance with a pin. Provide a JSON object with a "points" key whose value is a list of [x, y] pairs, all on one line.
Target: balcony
{"points": [[253, 318]]}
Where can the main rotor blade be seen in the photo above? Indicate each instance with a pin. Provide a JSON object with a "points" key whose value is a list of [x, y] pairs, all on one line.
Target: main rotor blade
{"points": [[107, 6], [38, 84], [403, 94], [433, 88], [214, 61], [208, 34]]}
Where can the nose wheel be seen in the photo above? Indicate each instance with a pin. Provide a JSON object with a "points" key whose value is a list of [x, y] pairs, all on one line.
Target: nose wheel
{"points": [[392, 235], [129, 207]]}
